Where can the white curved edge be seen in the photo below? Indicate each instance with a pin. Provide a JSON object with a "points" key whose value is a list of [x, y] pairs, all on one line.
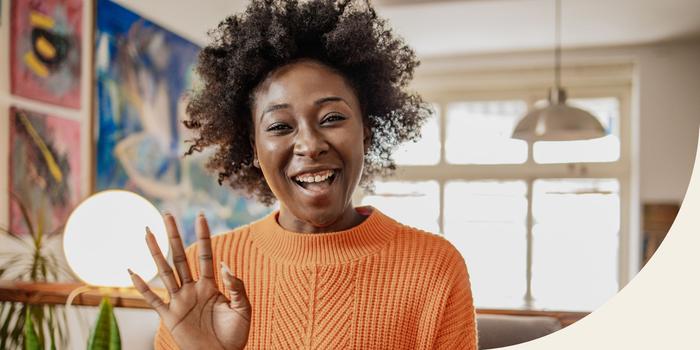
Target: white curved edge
{"points": [[660, 307]]}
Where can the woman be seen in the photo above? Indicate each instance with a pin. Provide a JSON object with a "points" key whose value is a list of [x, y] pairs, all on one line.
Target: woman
{"points": [[302, 102]]}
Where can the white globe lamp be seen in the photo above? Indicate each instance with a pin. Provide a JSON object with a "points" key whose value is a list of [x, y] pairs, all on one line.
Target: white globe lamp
{"points": [[105, 235]]}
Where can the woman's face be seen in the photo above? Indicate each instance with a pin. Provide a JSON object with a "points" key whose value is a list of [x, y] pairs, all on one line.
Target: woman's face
{"points": [[310, 141]]}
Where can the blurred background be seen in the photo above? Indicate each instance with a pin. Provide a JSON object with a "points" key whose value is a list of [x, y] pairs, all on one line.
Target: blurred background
{"points": [[544, 225]]}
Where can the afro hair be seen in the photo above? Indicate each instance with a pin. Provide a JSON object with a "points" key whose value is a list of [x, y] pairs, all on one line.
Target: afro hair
{"points": [[346, 36]]}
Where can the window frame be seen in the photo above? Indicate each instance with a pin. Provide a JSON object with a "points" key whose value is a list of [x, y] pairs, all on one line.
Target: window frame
{"points": [[531, 85]]}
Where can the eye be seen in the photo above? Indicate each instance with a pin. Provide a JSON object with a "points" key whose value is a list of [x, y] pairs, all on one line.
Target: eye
{"points": [[333, 118], [278, 127]]}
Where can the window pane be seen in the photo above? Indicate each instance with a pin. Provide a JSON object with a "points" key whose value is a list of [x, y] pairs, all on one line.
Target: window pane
{"points": [[479, 133], [605, 149], [415, 204], [427, 150], [486, 221], [575, 242]]}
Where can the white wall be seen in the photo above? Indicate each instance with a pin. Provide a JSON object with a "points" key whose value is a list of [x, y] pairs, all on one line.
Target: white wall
{"points": [[669, 113]]}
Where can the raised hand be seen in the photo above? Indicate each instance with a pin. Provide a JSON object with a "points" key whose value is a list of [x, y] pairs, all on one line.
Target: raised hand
{"points": [[198, 315]]}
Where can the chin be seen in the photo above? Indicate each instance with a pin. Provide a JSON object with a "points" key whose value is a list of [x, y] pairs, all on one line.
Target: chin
{"points": [[323, 217]]}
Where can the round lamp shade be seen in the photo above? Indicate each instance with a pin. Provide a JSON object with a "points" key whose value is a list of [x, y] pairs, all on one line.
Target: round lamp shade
{"points": [[105, 235], [558, 122]]}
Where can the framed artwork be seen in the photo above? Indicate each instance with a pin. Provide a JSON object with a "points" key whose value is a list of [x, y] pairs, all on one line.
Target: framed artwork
{"points": [[142, 73], [45, 50], [44, 169]]}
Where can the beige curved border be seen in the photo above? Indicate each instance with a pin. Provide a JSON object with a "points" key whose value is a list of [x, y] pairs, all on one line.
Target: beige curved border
{"points": [[660, 307]]}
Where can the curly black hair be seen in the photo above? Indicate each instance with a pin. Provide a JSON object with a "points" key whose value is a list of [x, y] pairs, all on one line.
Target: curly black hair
{"points": [[346, 36]]}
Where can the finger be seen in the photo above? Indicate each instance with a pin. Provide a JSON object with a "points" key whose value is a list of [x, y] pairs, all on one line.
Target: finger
{"points": [[179, 256], [235, 290], [151, 298], [164, 270], [206, 264]]}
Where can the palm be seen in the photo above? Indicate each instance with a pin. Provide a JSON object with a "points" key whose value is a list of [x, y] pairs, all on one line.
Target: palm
{"points": [[198, 314], [201, 308]]}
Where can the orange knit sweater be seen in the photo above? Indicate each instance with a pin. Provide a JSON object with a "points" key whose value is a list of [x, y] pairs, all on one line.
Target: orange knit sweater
{"points": [[379, 285]]}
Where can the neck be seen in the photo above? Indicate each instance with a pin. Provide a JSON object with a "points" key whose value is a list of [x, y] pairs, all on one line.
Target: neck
{"points": [[348, 219]]}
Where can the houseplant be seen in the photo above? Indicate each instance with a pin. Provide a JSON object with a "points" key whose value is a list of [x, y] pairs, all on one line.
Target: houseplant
{"points": [[26, 325]]}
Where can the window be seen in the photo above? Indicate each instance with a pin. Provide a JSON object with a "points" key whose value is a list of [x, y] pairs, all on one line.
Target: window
{"points": [[541, 226]]}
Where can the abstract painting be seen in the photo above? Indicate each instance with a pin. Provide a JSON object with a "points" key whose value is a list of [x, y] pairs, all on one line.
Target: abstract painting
{"points": [[45, 49], [142, 73], [44, 169]]}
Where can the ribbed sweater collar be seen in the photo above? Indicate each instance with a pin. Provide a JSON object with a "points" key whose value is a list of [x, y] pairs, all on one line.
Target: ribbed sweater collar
{"points": [[323, 248]]}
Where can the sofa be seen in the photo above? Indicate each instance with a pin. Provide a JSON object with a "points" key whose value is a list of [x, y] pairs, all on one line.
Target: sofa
{"points": [[497, 331]]}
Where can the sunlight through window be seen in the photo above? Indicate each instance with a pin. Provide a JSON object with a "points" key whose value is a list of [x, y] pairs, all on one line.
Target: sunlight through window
{"points": [[486, 221]]}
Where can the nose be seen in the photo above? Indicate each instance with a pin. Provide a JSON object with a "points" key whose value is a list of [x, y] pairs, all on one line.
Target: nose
{"points": [[310, 142]]}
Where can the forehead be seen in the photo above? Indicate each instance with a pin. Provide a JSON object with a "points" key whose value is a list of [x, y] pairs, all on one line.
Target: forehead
{"points": [[300, 82]]}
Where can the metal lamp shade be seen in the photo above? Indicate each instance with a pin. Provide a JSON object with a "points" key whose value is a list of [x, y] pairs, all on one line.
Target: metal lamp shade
{"points": [[558, 122]]}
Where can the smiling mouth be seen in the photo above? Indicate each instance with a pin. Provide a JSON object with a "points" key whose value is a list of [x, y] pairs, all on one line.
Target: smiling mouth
{"points": [[317, 182]]}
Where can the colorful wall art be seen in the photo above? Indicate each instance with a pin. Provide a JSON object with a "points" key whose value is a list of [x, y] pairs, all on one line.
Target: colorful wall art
{"points": [[142, 72], [45, 49], [44, 170]]}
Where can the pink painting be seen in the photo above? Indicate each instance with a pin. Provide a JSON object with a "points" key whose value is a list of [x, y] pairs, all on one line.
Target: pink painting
{"points": [[45, 37], [44, 170]]}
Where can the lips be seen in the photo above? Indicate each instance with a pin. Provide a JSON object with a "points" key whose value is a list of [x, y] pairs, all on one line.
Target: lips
{"points": [[316, 182]]}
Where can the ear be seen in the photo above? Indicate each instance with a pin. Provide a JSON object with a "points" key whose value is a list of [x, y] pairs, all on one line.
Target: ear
{"points": [[367, 137]]}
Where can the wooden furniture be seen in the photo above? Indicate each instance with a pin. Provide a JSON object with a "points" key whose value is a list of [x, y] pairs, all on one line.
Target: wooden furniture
{"points": [[58, 293], [658, 218]]}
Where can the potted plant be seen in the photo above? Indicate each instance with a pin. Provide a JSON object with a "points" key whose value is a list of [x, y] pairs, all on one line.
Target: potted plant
{"points": [[25, 325]]}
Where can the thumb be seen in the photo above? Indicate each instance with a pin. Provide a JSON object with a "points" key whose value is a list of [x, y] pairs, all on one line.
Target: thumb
{"points": [[235, 291]]}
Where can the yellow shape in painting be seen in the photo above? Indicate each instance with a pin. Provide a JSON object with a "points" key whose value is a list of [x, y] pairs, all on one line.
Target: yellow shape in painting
{"points": [[54, 169], [38, 19], [35, 65], [45, 48]]}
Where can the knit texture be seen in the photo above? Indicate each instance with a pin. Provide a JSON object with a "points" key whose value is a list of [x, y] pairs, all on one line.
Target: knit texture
{"points": [[379, 285]]}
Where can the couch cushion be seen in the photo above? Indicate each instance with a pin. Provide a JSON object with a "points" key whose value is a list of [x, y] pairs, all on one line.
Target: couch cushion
{"points": [[503, 330]]}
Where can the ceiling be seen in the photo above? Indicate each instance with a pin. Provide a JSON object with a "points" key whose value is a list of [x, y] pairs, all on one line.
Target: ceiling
{"points": [[454, 27]]}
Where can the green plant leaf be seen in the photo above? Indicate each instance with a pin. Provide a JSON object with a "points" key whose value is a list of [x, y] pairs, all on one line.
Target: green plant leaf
{"points": [[4, 330], [31, 340], [17, 334], [37, 317], [14, 236], [105, 335], [24, 211], [57, 231], [52, 321]]}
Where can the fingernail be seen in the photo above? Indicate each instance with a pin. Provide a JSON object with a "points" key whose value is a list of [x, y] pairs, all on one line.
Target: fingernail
{"points": [[226, 269], [131, 273], [201, 213]]}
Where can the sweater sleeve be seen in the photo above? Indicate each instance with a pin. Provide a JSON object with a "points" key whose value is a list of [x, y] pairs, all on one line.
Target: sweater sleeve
{"points": [[163, 340], [457, 328]]}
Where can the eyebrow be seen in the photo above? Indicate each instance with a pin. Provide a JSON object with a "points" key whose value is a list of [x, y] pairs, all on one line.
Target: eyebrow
{"points": [[323, 100], [318, 102]]}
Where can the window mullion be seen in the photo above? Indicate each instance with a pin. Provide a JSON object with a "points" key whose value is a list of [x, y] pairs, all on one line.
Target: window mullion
{"points": [[441, 213], [529, 301]]}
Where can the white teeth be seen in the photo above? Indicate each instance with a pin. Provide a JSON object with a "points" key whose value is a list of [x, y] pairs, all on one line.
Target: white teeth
{"points": [[315, 177]]}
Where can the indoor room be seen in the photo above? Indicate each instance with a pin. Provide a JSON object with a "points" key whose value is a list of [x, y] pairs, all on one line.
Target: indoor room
{"points": [[552, 150]]}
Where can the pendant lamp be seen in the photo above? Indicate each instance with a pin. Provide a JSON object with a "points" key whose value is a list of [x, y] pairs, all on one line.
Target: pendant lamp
{"points": [[558, 121]]}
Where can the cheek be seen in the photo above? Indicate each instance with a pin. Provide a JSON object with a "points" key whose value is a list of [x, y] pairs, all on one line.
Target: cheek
{"points": [[271, 156], [350, 144]]}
